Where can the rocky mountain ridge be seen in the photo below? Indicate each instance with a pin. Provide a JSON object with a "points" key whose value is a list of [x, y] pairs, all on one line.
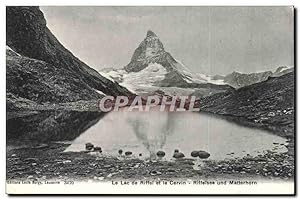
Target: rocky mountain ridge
{"points": [[268, 104], [151, 51], [41, 69], [238, 79]]}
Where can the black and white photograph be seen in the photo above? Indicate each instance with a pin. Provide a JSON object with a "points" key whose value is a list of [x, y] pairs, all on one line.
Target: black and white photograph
{"points": [[187, 100]]}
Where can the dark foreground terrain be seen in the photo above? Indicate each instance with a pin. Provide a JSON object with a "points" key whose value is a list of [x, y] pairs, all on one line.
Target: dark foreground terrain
{"points": [[48, 161]]}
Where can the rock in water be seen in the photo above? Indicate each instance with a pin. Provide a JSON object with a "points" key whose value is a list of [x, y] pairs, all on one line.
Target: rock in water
{"points": [[160, 154], [203, 154], [195, 154], [128, 153], [178, 155], [89, 146], [98, 149], [120, 151]]}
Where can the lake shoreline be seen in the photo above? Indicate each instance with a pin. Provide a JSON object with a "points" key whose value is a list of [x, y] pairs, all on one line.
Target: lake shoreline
{"points": [[48, 162], [74, 165]]}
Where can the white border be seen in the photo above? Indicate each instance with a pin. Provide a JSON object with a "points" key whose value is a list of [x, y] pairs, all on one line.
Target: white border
{"points": [[153, 2], [110, 2]]}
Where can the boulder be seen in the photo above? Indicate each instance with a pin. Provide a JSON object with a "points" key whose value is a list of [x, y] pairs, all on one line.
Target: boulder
{"points": [[178, 155], [89, 146], [98, 149], [203, 154], [195, 154], [160, 154], [128, 153], [120, 151]]}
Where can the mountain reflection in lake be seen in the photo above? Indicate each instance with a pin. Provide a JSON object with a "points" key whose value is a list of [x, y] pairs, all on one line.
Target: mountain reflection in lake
{"points": [[147, 132], [47, 126]]}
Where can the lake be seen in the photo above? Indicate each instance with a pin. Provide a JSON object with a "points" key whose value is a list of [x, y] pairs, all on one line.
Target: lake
{"points": [[145, 133]]}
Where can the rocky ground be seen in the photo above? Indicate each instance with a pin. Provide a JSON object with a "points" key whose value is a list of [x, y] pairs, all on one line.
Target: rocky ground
{"points": [[48, 161]]}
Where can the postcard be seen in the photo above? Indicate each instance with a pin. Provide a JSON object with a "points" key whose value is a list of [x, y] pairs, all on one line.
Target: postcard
{"points": [[150, 100]]}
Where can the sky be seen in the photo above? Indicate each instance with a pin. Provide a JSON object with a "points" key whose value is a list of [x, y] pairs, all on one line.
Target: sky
{"points": [[209, 40]]}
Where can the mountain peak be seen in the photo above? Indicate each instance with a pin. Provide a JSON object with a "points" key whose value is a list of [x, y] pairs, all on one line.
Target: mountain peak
{"points": [[150, 50], [151, 34]]}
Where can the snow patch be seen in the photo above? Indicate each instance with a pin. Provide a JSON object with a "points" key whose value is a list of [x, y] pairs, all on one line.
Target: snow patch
{"points": [[144, 80], [131, 88], [106, 75], [117, 75], [285, 68], [152, 73], [10, 49], [210, 79], [202, 78], [182, 66], [133, 81], [100, 92], [191, 77]]}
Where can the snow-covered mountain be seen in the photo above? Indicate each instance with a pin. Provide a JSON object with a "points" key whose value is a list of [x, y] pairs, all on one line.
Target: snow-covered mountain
{"points": [[152, 68], [238, 80], [282, 71]]}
